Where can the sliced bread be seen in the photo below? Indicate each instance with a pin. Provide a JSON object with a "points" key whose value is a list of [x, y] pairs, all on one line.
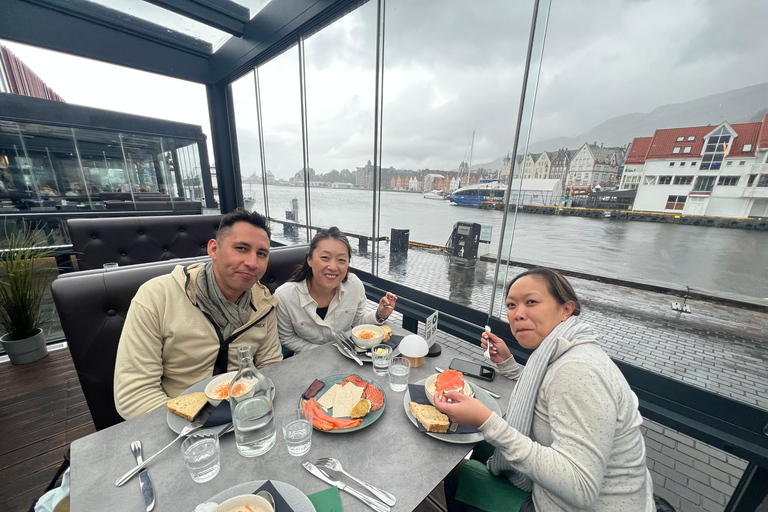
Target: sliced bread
{"points": [[432, 419], [188, 406]]}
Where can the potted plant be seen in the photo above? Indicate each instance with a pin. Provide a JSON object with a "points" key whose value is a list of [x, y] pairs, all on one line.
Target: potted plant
{"points": [[23, 282]]}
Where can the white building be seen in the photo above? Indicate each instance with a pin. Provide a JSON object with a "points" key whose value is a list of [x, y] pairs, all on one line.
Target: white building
{"points": [[595, 165], [536, 192], [706, 170]]}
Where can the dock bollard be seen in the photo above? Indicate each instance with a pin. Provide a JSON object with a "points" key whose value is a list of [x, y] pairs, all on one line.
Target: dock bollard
{"points": [[398, 241]]}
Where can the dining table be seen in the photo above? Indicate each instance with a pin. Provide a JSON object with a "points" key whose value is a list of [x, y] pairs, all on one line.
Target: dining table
{"points": [[390, 453]]}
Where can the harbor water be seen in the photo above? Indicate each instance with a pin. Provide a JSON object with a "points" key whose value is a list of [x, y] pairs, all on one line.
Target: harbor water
{"points": [[714, 259]]}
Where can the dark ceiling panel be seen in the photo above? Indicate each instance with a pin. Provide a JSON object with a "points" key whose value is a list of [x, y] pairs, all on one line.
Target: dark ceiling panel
{"points": [[274, 29], [221, 14], [36, 25]]}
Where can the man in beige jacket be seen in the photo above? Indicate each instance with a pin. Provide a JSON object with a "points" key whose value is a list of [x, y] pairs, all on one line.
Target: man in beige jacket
{"points": [[186, 326]]}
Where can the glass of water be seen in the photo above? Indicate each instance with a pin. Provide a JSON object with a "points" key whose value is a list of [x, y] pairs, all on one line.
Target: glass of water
{"points": [[399, 370], [381, 354], [200, 451], [297, 430]]}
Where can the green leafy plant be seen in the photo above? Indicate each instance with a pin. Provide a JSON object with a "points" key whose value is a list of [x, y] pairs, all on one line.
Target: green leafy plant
{"points": [[23, 280]]}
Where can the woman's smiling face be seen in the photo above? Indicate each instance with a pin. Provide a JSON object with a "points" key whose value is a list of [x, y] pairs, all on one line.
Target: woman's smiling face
{"points": [[533, 312], [329, 263]]}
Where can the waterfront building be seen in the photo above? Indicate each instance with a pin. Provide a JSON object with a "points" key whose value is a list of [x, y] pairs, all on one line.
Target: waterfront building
{"points": [[506, 166], [634, 163], [537, 166], [594, 165], [716, 171], [558, 168]]}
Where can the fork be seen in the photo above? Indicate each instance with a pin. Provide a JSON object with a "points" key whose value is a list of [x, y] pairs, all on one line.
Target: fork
{"points": [[335, 465], [192, 427]]}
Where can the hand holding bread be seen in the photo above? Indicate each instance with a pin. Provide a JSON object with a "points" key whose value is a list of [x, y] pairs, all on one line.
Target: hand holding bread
{"points": [[462, 409]]}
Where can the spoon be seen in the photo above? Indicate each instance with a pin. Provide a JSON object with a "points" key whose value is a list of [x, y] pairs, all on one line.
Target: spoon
{"points": [[267, 496]]}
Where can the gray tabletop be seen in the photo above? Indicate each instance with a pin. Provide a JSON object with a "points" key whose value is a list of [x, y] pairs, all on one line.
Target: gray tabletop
{"points": [[391, 453]]}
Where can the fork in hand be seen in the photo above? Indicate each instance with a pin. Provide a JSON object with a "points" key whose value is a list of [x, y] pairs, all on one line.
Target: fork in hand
{"points": [[335, 465]]}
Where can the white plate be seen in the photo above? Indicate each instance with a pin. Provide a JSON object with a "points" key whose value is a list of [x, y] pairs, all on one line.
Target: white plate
{"points": [[177, 423], [475, 437], [296, 499]]}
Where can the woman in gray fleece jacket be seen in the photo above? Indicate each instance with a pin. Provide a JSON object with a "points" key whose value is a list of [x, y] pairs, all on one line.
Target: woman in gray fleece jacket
{"points": [[572, 436]]}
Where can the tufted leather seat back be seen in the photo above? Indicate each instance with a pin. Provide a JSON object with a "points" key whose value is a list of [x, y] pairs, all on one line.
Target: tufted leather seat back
{"points": [[132, 240], [92, 306]]}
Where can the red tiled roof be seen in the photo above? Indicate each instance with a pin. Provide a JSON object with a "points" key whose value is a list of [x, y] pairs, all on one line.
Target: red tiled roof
{"points": [[762, 139], [664, 141], [638, 150]]}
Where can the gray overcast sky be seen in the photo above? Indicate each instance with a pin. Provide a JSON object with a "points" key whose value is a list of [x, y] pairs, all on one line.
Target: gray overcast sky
{"points": [[452, 67]]}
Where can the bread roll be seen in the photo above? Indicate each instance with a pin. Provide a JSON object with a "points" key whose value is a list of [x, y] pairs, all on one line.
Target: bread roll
{"points": [[387, 333]]}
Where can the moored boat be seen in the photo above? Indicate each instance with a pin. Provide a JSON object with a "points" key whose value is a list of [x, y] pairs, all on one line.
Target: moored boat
{"points": [[483, 192]]}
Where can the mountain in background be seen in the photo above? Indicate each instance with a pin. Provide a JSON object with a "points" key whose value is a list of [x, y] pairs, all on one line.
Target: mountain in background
{"points": [[746, 105]]}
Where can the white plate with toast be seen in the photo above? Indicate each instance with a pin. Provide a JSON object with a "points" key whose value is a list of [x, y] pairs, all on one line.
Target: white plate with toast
{"points": [[177, 423], [474, 437]]}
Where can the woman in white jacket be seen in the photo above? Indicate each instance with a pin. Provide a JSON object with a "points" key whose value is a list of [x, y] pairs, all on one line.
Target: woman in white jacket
{"points": [[571, 436], [322, 298]]}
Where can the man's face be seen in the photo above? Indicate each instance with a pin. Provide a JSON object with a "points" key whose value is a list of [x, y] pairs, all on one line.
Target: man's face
{"points": [[239, 259]]}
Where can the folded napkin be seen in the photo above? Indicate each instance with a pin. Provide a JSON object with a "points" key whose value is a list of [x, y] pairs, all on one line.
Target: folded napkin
{"points": [[394, 340], [327, 500], [213, 416], [280, 504], [419, 395]]}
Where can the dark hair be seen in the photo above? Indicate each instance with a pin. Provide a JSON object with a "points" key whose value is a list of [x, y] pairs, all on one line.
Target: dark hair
{"points": [[304, 271], [239, 215], [558, 286]]}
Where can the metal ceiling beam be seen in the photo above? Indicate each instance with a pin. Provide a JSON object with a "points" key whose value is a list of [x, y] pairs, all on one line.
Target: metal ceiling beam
{"points": [[93, 36], [224, 15]]}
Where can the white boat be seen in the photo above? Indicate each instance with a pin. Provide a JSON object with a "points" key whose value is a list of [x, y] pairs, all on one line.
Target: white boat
{"points": [[437, 194]]}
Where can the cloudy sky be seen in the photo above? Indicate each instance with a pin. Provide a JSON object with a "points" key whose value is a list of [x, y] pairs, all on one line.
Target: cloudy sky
{"points": [[452, 67]]}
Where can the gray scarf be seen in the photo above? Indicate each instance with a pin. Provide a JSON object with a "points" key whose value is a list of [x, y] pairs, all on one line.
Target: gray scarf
{"points": [[229, 316], [521, 405]]}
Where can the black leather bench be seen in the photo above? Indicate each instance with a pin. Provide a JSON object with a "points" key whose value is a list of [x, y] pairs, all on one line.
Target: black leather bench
{"points": [[92, 306], [133, 240]]}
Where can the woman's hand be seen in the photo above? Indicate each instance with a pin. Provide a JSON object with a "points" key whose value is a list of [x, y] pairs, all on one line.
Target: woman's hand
{"points": [[386, 305], [462, 408], [499, 350]]}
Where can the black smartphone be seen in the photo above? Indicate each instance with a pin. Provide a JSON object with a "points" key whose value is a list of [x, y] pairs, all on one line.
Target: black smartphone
{"points": [[473, 369]]}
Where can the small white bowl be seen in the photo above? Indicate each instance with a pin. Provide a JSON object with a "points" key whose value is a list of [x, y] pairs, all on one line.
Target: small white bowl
{"points": [[239, 502], [367, 343], [429, 388], [225, 378]]}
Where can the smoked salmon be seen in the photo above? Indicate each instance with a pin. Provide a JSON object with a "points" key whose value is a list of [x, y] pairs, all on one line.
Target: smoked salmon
{"points": [[449, 380], [322, 421], [375, 395], [370, 392]]}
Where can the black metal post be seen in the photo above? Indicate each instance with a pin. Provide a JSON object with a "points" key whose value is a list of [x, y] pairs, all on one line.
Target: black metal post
{"points": [[224, 146]]}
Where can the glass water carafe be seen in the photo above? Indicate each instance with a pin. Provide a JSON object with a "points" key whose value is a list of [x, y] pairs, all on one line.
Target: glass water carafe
{"points": [[251, 406]]}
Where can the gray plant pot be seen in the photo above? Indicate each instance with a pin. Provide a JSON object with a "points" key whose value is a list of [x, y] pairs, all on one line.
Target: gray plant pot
{"points": [[27, 350]]}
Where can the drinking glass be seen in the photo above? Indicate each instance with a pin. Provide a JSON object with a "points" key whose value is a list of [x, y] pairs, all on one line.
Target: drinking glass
{"points": [[381, 354], [297, 431], [399, 370], [200, 451]]}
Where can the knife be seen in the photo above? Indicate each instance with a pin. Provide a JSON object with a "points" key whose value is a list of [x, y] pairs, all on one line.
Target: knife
{"points": [[494, 395], [376, 505], [351, 354], [144, 482]]}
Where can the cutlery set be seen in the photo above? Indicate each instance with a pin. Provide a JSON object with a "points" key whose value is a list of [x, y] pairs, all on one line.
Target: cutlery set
{"points": [[345, 346], [334, 465]]}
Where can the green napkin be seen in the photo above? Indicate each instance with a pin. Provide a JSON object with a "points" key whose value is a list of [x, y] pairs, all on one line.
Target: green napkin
{"points": [[327, 500]]}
